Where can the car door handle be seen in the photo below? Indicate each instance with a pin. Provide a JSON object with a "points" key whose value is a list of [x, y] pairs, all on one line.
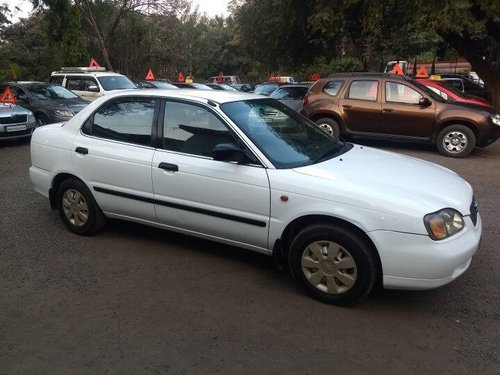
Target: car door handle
{"points": [[169, 167], [82, 150], [387, 109], [347, 106]]}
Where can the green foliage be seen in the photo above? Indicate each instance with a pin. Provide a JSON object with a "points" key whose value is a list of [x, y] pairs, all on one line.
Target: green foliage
{"points": [[292, 37]]}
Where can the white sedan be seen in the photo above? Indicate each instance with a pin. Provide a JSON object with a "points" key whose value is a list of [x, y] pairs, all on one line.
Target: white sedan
{"points": [[250, 172]]}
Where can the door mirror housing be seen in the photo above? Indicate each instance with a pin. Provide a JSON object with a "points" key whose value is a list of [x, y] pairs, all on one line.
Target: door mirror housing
{"points": [[424, 102], [231, 152], [93, 88]]}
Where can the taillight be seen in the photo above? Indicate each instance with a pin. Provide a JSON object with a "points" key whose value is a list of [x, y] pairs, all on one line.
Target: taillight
{"points": [[305, 101]]}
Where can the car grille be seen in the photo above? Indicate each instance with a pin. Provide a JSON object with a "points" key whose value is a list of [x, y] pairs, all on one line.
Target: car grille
{"points": [[15, 119], [473, 211]]}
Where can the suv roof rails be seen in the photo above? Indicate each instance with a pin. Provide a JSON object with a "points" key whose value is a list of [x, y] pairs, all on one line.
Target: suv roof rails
{"points": [[81, 69], [365, 74]]}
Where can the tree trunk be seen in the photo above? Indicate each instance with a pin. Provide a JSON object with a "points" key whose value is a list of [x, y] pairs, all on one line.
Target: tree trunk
{"points": [[487, 70], [89, 18]]}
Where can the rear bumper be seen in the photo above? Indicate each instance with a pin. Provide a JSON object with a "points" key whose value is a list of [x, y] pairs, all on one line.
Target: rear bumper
{"points": [[41, 180]]}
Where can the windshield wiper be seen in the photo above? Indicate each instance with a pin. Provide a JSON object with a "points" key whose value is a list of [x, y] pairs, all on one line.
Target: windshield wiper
{"points": [[330, 153]]}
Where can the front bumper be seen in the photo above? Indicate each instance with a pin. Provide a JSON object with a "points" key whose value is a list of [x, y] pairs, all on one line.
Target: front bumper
{"points": [[17, 134], [417, 262]]}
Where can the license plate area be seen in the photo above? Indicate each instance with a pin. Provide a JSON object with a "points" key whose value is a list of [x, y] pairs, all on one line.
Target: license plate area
{"points": [[15, 128]]}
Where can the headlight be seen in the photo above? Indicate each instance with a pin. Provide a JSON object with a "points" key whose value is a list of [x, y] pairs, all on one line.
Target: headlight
{"points": [[63, 113], [496, 119], [444, 223], [31, 117]]}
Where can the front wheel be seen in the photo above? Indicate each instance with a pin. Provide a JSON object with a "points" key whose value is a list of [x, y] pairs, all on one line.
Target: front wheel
{"points": [[78, 209], [42, 120], [456, 141], [332, 264]]}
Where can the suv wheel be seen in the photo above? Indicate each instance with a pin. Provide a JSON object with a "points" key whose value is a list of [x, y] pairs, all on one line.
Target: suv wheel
{"points": [[330, 126], [332, 264], [456, 141]]}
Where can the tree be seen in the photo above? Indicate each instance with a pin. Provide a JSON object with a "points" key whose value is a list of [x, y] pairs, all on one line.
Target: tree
{"points": [[472, 27], [103, 17]]}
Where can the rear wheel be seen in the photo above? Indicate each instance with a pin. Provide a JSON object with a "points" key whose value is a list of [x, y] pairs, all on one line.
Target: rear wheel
{"points": [[332, 264], [78, 209], [329, 125], [456, 141]]}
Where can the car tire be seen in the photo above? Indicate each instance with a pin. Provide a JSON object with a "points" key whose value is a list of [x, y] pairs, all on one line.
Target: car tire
{"points": [[42, 120], [456, 141], [332, 264], [329, 125], [78, 209]]}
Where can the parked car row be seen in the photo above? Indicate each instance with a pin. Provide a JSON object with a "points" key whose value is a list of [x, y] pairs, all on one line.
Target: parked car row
{"points": [[375, 105]]}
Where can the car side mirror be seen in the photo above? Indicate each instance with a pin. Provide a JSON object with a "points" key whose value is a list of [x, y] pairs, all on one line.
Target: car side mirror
{"points": [[424, 102], [93, 88], [231, 152]]}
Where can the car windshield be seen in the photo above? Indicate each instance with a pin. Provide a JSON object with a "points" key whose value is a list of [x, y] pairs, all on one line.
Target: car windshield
{"points": [[165, 85], [227, 87], [109, 83], [287, 139], [49, 92], [266, 89], [429, 92], [201, 86]]}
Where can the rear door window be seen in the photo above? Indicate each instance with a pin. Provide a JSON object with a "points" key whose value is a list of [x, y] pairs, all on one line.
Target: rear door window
{"points": [[57, 79], [363, 90], [127, 120]]}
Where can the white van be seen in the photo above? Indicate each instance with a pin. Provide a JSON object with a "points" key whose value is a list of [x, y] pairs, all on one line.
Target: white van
{"points": [[90, 83]]}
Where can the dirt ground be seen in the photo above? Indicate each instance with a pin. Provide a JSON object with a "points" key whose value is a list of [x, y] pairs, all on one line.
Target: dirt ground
{"points": [[135, 300]]}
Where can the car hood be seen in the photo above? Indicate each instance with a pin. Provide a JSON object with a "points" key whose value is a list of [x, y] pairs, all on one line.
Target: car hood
{"points": [[74, 105], [12, 109], [387, 182], [473, 107]]}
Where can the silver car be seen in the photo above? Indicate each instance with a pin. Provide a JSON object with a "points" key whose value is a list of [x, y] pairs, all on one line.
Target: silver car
{"points": [[15, 122]]}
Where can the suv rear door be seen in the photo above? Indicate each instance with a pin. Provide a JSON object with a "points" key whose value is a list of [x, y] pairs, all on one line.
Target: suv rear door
{"points": [[360, 105]]}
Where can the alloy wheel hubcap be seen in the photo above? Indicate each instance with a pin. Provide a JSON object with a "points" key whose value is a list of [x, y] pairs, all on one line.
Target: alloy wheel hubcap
{"points": [[75, 207], [327, 127], [455, 142], [329, 267]]}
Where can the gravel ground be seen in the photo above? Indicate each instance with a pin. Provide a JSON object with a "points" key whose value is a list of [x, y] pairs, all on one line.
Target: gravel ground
{"points": [[135, 299]]}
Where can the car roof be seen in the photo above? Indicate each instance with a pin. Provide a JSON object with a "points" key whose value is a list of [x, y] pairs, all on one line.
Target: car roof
{"points": [[294, 85], [31, 83], [217, 96], [83, 73]]}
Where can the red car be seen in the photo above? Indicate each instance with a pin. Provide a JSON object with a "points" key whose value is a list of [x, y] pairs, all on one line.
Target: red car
{"points": [[449, 93]]}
